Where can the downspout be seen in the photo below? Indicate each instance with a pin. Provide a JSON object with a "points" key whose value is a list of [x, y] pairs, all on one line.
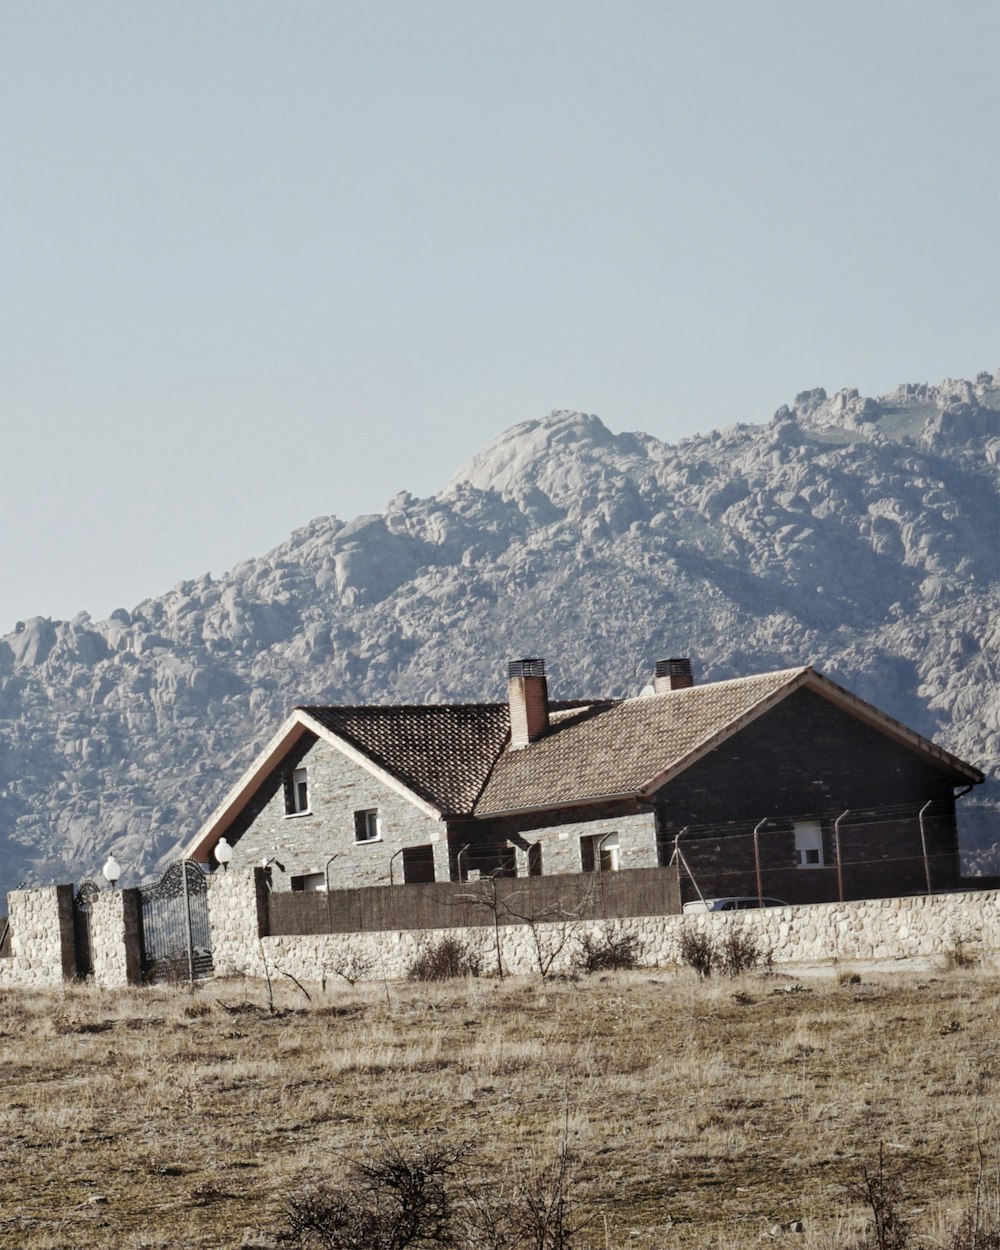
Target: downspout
{"points": [[458, 860], [923, 844], [600, 847], [836, 847], [756, 859]]}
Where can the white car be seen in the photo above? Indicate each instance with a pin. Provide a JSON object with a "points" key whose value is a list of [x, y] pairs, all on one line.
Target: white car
{"points": [[740, 903]]}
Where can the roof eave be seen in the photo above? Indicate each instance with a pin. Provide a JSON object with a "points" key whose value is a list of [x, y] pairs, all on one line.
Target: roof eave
{"points": [[292, 729], [557, 806], [204, 841], [871, 715]]}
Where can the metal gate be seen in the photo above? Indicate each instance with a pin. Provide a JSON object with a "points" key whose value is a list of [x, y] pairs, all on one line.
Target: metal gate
{"points": [[176, 939], [83, 905]]}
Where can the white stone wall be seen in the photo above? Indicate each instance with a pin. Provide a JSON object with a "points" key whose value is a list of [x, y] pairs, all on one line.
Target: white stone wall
{"points": [[853, 932], [114, 939], [41, 927]]}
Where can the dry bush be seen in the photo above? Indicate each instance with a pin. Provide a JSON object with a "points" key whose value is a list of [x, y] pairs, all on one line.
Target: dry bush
{"points": [[613, 950], [881, 1191], [697, 950], [394, 1201], [731, 954], [740, 951], [442, 960], [390, 1202]]}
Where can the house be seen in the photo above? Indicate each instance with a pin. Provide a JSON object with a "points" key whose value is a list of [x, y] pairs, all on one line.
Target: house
{"points": [[782, 783]]}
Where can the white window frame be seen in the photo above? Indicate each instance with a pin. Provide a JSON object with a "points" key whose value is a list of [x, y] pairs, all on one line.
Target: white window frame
{"points": [[300, 777], [372, 819], [809, 844]]}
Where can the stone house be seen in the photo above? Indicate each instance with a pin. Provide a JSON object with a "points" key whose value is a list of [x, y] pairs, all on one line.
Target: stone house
{"points": [[782, 783]]}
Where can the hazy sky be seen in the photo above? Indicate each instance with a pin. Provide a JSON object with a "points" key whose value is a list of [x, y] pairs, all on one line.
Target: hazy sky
{"points": [[268, 261]]}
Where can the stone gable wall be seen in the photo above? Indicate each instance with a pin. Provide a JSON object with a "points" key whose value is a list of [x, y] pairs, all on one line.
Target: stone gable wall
{"points": [[303, 843]]}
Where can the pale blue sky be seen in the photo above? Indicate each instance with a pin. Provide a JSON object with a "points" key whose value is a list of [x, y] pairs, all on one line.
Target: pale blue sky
{"points": [[267, 261]]}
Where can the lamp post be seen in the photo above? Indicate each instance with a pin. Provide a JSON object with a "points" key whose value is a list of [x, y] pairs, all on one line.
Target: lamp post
{"points": [[111, 870], [223, 853]]}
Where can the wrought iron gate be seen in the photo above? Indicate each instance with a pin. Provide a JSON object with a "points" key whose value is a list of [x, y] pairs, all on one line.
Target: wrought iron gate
{"points": [[83, 905], [176, 939]]}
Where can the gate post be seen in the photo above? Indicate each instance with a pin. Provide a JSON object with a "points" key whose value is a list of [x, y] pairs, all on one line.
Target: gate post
{"points": [[115, 941]]}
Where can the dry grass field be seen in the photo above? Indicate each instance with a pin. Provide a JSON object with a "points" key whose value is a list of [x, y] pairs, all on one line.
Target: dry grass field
{"points": [[696, 1114]]}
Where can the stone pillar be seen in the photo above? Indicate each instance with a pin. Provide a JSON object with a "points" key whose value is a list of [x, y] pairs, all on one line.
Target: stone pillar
{"points": [[237, 913], [43, 950], [442, 865], [115, 946]]}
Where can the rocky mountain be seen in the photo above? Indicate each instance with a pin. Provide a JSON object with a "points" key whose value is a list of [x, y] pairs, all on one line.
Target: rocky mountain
{"points": [[856, 534]]}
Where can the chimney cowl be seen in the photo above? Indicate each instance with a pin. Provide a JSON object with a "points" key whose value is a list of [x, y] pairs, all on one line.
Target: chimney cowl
{"points": [[528, 697], [673, 674]]}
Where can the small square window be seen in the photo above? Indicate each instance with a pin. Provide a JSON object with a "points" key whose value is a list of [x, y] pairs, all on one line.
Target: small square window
{"points": [[809, 843], [367, 826], [296, 792]]}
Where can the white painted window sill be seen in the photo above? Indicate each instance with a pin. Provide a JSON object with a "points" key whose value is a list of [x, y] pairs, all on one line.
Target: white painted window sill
{"points": [[292, 815]]}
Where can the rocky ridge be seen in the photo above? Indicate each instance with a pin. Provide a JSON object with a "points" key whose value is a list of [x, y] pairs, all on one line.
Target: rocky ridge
{"points": [[856, 534]]}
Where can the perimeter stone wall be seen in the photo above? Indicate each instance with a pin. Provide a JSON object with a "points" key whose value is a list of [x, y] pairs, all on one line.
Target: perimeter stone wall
{"points": [[42, 948], [847, 933]]}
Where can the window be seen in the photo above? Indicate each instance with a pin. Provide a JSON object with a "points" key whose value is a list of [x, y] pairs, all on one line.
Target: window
{"points": [[809, 844], [605, 845], [418, 865], [367, 826], [296, 792], [309, 882]]}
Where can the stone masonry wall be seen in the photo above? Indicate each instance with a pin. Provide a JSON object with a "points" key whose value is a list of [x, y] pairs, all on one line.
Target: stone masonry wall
{"points": [[851, 932], [560, 844], [303, 842], [42, 945], [237, 911], [114, 939]]}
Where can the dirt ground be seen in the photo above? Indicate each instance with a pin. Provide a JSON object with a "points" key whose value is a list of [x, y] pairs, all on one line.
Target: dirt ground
{"points": [[695, 1114]]}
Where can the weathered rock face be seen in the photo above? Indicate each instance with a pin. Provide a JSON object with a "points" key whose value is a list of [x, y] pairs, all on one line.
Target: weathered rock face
{"points": [[860, 535]]}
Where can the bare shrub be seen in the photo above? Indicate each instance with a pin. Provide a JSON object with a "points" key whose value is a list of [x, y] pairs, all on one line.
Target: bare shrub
{"points": [[733, 953], [697, 950], [395, 1202], [390, 1202], [442, 960], [533, 1212], [961, 956], [352, 964], [740, 951], [881, 1191], [615, 949]]}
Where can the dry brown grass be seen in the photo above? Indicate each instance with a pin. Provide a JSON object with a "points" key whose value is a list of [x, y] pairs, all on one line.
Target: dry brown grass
{"points": [[702, 1114]]}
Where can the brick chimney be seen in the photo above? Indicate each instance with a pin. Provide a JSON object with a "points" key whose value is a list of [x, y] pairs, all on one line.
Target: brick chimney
{"points": [[528, 695], [672, 675]]}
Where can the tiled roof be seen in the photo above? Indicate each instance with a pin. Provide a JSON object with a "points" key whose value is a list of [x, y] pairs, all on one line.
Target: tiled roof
{"points": [[443, 752], [620, 748], [456, 756]]}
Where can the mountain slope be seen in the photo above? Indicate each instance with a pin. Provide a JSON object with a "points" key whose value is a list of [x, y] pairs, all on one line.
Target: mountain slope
{"points": [[856, 534]]}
